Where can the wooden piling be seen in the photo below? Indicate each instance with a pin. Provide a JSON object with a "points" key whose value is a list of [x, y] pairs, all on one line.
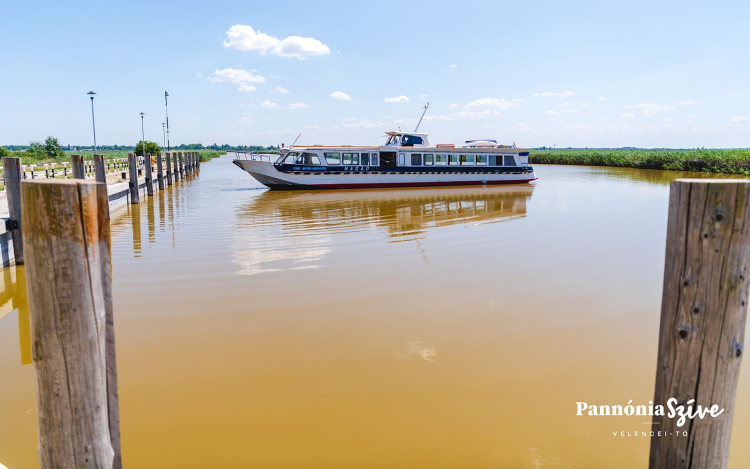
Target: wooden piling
{"points": [[100, 173], [182, 164], [149, 169], [72, 331], [169, 169], [12, 175], [135, 196], [177, 174], [704, 309], [159, 172], [76, 162]]}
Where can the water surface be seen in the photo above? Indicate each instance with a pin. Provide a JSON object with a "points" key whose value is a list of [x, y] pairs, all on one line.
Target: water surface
{"points": [[415, 328]]}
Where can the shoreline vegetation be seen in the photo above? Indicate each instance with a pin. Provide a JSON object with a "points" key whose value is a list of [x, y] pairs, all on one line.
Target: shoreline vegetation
{"points": [[719, 161], [736, 161]]}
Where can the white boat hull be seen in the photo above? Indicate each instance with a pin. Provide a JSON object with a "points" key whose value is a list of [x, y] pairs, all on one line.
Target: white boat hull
{"points": [[370, 177]]}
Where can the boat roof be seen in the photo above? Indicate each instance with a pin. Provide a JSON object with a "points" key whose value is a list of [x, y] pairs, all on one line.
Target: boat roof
{"points": [[407, 133], [431, 148]]}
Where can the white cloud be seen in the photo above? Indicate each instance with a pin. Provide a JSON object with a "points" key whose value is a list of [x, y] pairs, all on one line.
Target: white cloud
{"points": [[564, 111], [627, 115], [738, 119], [340, 95], [244, 120], [239, 77], [245, 38], [452, 66], [298, 106], [547, 94], [269, 105], [397, 99], [423, 96], [687, 102], [601, 98], [490, 103], [234, 75], [199, 75], [651, 108], [280, 89], [566, 104], [582, 104], [277, 132], [454, 106], [578, 127]]}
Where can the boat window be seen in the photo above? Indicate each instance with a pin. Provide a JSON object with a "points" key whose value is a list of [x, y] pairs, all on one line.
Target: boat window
{"points": [[416, 159], [374, 159], [453, 159], [509, 160], [441, 160], [429, 160], [307, 158], [467, 160], [401, 159], [333, 158], [411, 140], [481, 160], [365, 159], [290, 157], [392, 140], [350, 158]]}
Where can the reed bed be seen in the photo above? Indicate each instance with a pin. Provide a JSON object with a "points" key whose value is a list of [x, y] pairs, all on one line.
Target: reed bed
{"points": [[735, 161]]}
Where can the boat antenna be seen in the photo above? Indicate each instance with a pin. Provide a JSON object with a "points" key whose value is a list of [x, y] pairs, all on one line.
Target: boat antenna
{"points": [[423, 113], [295, 140]]}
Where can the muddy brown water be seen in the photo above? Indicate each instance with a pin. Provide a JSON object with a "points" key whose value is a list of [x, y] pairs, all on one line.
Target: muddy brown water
{"points": [[415, 328]]}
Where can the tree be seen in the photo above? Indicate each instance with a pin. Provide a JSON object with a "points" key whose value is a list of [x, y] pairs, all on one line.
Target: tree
{"points": [[4, 152], [36, 150], [52, 148], [151, 147]]}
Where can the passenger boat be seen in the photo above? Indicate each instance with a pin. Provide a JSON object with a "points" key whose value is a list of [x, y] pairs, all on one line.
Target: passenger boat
{"points": [[406, 160]]}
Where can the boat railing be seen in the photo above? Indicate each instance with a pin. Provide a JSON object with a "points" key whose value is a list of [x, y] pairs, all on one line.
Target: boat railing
{"points": [[252, 156]]}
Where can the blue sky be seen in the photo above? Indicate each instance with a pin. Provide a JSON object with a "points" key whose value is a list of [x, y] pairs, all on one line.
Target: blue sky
{"points": [[647, 74]]}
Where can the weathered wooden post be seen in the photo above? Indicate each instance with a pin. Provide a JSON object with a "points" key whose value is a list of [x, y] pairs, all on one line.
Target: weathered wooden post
{"points": [[100, 173], [169, 169], [704, 308], [76, 162], [135, 195], [182, 164], [149, 170], [12, 181], [159, 172], [70, 302], [176, 166]]}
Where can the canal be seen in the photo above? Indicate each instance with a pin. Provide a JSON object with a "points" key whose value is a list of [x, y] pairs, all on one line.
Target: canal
{"points": [[415, 328]]}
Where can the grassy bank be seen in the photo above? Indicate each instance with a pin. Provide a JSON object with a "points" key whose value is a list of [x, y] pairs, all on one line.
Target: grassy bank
{"points": [[709, 161], [204, 155]]}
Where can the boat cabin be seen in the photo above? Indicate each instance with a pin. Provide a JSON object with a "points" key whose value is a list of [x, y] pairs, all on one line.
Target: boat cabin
{"points": [[404, 149]]}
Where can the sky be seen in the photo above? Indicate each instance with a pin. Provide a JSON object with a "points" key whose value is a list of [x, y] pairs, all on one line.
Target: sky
{"points": [[539, 73]]}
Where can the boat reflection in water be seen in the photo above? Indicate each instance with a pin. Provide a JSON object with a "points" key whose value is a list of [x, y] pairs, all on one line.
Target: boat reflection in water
{"points": [[295, 230]]}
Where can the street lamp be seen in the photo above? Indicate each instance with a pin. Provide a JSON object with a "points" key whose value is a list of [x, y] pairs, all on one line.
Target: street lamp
{"points": [[93, 122], [166, 111], [164, 134], [143, 137]]}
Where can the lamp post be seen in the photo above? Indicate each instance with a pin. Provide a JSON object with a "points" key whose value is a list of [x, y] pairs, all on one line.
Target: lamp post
{"points": [[164, 134], [143, 137], [166, 111], [93, 122]]}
